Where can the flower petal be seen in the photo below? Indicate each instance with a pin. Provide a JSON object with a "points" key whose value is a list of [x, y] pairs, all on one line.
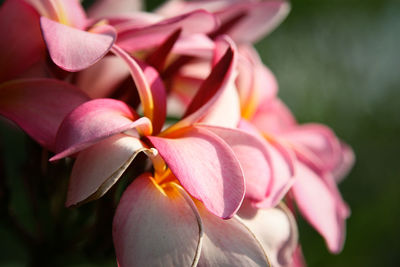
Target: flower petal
{"points": [[98, 168], [319, 142], [206, 167], [261, 17], [282, 165], [139, 38], [229, 243], [212, 93], [101, 79], [275, 228], [150, 87], [255, 82], [93, 121], [105, 8], [72, 49], [346, 162], [16, 17], [156, 226], [34, 105], [273, 117], [254, 159], [320, 206]]}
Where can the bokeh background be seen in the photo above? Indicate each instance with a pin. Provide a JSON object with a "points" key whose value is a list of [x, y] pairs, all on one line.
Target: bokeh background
{"points": [[337, 63]]}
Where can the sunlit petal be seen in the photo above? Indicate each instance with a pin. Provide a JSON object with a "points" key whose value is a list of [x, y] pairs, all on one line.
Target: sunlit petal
{"points": [[156, 226]]}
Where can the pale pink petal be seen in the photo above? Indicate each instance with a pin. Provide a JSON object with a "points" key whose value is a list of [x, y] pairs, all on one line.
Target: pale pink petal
{"points": [[150, 87], [320, 207], [104, 8], [346, 162], [206, 167], [260, 18], [229, 243], [94, 121], [275, 228], [16, 54], [254, 158], [34, 104], [156, 226], [197, 45], [73, 49], [282, 166], [255, 82], [319, 140], [98, 168], [139, 38], [273, 117], [71, 13]]}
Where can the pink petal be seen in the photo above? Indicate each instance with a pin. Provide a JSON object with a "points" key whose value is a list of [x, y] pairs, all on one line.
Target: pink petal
{"points": [[98, 168], [35, 106], [105, 8], [347, 160], [229, 243], [156, 226], [73, 49], [197, 45], [320, 141], [254, 158], [139, 38], [94, 121], [150, 87], [276, 229], [255, 82], [260, 18], [320, 206], [273, 117], [206, 167], [16, 54], [210, 94], [281, 164]]}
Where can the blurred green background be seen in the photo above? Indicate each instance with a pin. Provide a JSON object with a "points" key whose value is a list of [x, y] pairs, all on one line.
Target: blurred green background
{"points": [[337, 63]]}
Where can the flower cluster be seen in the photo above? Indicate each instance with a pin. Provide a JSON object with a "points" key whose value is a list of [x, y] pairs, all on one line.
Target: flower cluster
{"points": [[183, 85]]}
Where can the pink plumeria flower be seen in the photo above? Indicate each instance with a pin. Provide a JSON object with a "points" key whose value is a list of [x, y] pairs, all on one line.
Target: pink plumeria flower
{"points": [[319, 154], [95, 126]]}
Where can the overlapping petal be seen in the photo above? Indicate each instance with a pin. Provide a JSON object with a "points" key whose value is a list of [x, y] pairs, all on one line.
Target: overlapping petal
{"points": [[98, 168], [156, 226], [139, 38], [229, 243], [94, 121], [205, 166], [275, 228], [150, 88], [320, 206], [281, 164], [254, 159], [33, 104], [73, 49]]}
